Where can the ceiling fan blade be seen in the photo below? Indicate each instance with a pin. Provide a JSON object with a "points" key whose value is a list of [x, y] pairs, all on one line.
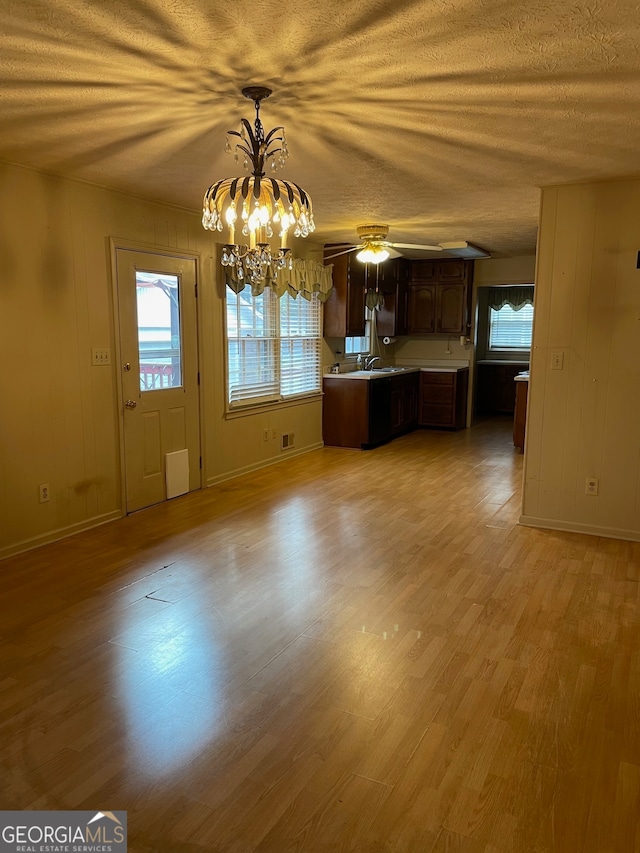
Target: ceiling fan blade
{"points": [[416, 246], [344, 252], [392, 252]]}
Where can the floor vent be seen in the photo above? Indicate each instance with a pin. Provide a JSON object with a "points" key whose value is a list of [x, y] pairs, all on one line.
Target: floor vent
{"points": [[287, 440]]}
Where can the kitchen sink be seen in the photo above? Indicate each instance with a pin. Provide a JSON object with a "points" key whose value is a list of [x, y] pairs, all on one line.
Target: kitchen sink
{"points": [[387, 369], [374, 371]]}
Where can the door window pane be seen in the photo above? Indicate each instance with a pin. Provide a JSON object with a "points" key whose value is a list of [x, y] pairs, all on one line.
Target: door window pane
{"points": [[159, 339]]}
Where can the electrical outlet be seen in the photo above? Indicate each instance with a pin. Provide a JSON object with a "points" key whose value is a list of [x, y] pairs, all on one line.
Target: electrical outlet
{"points": [[265, 434], [591, 487], [557, 361], [44, 492], [274, 434]]}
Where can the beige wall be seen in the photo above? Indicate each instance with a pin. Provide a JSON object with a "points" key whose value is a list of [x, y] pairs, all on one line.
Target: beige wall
{"points": [[59, 422], [583, 419], [440, 347], [494, 271]]}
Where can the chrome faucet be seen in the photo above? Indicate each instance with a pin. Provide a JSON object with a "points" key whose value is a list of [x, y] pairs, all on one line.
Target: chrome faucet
{"points": [[370, 360]]}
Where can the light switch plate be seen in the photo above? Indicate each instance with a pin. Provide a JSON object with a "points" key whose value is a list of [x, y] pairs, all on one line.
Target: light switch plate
{"points": [[100, 356]]}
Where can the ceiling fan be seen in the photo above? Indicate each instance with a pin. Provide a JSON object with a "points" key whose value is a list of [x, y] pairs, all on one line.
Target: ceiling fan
{"points": [[374, 248]]}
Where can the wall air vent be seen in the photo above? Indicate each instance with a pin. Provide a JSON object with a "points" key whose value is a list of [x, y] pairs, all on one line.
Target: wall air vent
{"points": [[287, 440]]}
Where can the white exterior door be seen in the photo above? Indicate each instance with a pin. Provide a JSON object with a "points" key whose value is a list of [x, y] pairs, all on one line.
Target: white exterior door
{"points": [[156, 303]]}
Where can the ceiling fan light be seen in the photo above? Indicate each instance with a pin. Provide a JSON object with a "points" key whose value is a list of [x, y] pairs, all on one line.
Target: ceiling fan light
{"points": [[372, 255], [365, 255]]}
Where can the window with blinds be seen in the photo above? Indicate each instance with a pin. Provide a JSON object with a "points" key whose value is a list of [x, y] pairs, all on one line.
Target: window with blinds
{"points": [[359, 346], [300, 345], [273, 347], [510, 329]]}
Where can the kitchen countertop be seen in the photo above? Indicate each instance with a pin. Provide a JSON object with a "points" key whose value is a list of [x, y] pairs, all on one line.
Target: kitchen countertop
{"points": [[522, 361], [443, 369], [377, 374], [446, 364]]}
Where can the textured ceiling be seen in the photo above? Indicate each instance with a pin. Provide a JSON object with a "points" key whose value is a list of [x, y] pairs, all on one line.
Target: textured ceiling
{"points": [[440, 117]]}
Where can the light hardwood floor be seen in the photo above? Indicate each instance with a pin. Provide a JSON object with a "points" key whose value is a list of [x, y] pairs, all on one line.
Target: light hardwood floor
{"points": [[349, 651]]}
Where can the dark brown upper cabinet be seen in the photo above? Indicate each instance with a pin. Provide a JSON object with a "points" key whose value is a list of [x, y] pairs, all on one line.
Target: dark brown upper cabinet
{"points": [[344, 309], [393, 282], [422, 309], [439, 297]]}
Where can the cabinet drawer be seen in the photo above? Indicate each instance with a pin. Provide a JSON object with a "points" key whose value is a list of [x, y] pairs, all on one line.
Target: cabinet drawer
{"points": [[438, 378], [442, 394], [433, 415]]}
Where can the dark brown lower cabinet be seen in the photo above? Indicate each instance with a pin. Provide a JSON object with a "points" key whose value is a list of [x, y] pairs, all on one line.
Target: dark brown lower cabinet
{"points": [[520, 414], [366, 412], [404, 402], [379, 427], [443, 399], [495, 388]]}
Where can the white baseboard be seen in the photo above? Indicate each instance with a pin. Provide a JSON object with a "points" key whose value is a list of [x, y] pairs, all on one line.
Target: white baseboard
{"points": [[247, 469], [574, 527], [56, 535]]}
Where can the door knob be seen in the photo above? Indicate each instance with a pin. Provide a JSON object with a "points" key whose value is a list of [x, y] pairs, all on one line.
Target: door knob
{"points": [[130, 404]]}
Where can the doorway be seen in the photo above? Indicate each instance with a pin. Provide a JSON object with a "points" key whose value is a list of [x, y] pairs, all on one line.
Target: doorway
{"points": [[156, 299]]}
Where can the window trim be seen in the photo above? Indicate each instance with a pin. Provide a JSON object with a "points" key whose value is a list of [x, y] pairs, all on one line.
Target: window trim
{"points": [[253, 409]]}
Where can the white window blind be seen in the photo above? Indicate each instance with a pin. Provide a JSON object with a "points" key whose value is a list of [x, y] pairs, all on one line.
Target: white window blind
{"points": [[300, 345], [357, 346], [509, 329], [251, 347], [273, 346], [361, 345]]}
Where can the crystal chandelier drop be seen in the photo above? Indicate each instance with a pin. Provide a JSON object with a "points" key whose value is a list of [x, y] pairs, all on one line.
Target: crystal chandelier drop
{"points": [[256, 205]]}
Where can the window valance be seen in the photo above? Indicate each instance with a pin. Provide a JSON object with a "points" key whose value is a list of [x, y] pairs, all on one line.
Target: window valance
{"points": [[305, 278], [374, 300], [516, 296]]}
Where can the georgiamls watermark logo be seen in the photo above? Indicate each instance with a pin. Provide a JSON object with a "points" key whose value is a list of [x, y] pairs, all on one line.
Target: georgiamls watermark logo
{"points": [[63, 832]]}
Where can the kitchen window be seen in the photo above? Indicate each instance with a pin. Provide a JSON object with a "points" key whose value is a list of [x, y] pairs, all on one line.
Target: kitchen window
{"points": [[509, 329], [510, 318], [361, 345], [273, 347]]}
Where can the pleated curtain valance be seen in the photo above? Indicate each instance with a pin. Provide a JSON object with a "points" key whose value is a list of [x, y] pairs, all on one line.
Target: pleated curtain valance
{"points": [[304, 279], [374, 300], [516, 296]]}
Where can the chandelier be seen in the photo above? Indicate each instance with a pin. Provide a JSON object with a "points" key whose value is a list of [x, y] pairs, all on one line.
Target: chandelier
{"points": [[257, 206]]}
